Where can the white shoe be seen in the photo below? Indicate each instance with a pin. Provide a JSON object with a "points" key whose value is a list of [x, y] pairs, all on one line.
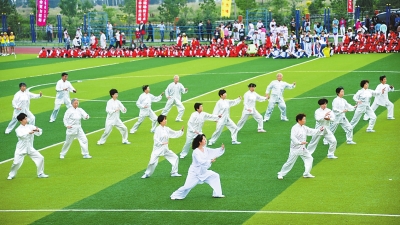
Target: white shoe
{"points": [[390, 118], [181, 157], [266, 119], [326, 143], [210, 143], [308, 176], [262, 131], [10, 178], [145, 176], [99, 143], [42, 175], [7, 132], [236, 142], [126, 143], [176, 175], [132, 132], [365, 119], [61, 157], [178, 120], [87, 156], [370, 131], [219, 196], [51, 121], [280, 177], [332, 157], [173, 198], [285, 119], [351, 143]]}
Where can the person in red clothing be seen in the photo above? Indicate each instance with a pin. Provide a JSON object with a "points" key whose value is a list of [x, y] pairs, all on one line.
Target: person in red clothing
{"points": [[151, 52], [42, 53]]}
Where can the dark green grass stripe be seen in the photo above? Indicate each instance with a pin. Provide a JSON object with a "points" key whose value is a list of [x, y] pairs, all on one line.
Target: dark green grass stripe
{"points": [[32, 62], [197, 84], [248, 173]]}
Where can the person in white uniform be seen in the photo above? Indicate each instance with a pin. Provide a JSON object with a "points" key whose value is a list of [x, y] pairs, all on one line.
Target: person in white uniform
{"points": [[63, 88], [199, 173], [277, 87], [113, 109], [363, 98], [383, 100], [340, 107], [195, 126], [72, 121], [161, 138], [249, 109], [323, 118], [144, 104], [25, 147], [298, 141], [222, 107], [173, 94], [20, 103]]}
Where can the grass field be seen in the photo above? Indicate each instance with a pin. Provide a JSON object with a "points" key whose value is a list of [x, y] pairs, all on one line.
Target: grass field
{"points": [[360, 187]]}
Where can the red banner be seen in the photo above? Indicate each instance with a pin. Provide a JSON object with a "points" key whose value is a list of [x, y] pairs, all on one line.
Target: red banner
{"points": [[142, 11], [350, 8], [42, 10]]}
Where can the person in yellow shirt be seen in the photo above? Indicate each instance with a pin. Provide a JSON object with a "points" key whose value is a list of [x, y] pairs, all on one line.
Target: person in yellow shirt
{"points": [[6, 42], [12, 43], [3, 44]]}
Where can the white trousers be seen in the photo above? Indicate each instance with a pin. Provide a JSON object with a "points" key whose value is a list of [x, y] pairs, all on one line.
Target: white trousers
{"points": [[83, 142], [191, 181], [109, 126], [220, 126], [152, 117], [256, 115], [329, 137], [271, 106], [19, 159], [293, 155], [54, 114], [307, 48], [188, 144], [389, 106], [169, 155], [179, 106], [336, 39], [357, 116], [345, 124], [342, 30], [14, 121]]}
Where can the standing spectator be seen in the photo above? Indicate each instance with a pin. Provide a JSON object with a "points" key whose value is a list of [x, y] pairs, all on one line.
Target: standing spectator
{"points": [[85, 40], [358, 26], [78, 33], [109, 30], [342, 24], [241, 33], [367, 23], [103, 43], [236, 28], [9, 30], [171, 34], [162, 29], [142, 28], [259, 24], [150, 32], [335, 30], [77, 42], [65, 34], [200, 28], [117, 39], [67, 42], [272, 24], [251, 30], [292, 26], [49, 31], [209, 29], [392, 23], [383, 28]]}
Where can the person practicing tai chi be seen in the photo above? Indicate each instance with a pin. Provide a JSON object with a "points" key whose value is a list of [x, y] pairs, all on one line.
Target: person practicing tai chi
{"points": [[173, 94], [249, 109], [383, 100], [199, 173], [144, 104], [298, 141], [195, 126], [161, 138], [21, 103], [363, 98], [277, 87], [25, 147], [113, 109], [63, 88], [323, 118], [222, 107], [340, 107], [72, 121]]}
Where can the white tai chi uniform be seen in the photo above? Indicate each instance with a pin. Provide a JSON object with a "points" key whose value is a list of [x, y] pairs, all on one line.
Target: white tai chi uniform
{"points": [[199, 173], [145, 100], [113, 119], [25, 147], [298, 135], [328, 135], [73, 117], [173, 94], [249, 103], [162, 135], [222, 108], [22, 100], [62, 97], [277, 87], [382, 100], [194, 128], [338, 106], [364, 95]]}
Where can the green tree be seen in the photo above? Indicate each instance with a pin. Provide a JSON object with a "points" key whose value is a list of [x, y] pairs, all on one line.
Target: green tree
{"points": [[186, 11], [85, 6], [207, 11], [246, 4], [31, 4], [130, 9], [110, 12], [339, 8], [317, 7], [170, 9], [278, 9], [69, 8]]}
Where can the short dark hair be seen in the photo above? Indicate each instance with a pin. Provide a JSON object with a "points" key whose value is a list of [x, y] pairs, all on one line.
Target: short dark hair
{"points": [[22, 84], [161, 118], [252, 85], [197, 140], [363, 82], [221, 92], [144, 87], [197, 106], [322, 101], [21, 116], [382, 77], [64, 74], [113, 91], [339, 89], [300, 116]]}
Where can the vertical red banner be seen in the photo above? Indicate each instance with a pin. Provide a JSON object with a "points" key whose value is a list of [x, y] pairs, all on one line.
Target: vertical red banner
{"points": [[142, 11], [350, 8], [42, 10]]}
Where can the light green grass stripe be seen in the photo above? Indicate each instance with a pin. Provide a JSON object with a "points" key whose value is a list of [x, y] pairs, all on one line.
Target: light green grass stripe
{"points": [[364, 179]]}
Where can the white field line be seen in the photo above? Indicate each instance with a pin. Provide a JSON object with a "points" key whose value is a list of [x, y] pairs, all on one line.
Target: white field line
{"points": [[50, 146], [199, 211]]}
